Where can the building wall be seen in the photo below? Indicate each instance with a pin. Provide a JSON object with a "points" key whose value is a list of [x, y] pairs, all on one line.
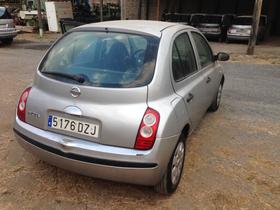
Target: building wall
{"points": [[239, 7], [132, 10]]}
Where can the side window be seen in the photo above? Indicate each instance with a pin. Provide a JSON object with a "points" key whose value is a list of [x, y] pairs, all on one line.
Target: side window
{"points": [[204, 51], [183, 59]]}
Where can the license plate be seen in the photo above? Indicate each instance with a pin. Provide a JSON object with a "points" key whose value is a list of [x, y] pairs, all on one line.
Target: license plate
{"points": [[73, 126]]}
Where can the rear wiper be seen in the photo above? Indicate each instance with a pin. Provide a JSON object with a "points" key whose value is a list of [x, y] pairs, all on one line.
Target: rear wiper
{"points": [[75, 77]]}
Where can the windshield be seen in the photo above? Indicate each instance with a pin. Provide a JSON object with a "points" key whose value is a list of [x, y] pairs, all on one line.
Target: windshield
{"points": [[248, 21], [242, 21], [4, 13], [104, 59], [212, 19]]}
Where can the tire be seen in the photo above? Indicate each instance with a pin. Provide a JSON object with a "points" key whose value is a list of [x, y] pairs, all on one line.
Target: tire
{"points": [[217, 100], [7, 41], [172, 177]]}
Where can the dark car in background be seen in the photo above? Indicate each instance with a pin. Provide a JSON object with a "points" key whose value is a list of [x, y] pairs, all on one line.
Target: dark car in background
{"points": [[177, 18], [196, 19], [215, 26], [242, 26], [7, 27]]}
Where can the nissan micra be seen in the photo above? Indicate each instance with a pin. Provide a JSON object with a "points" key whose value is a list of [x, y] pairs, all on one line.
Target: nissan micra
{"points": [[117, 100]]}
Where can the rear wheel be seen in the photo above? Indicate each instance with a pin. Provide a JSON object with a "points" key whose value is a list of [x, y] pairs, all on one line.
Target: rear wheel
{"points": [[217, 100], [171, 179], [7, 41]]}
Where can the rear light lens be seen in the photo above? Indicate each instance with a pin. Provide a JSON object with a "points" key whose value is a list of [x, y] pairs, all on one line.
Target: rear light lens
{"points": [[148, 130], [21, 109]]}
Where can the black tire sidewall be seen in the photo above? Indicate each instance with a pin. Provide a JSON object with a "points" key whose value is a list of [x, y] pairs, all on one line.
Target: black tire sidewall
{"points": [[7, 41], [215, 106]]}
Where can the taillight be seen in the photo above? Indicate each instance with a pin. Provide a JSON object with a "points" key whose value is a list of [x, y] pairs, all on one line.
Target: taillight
{"points": [[148, 130], [21, 108]]}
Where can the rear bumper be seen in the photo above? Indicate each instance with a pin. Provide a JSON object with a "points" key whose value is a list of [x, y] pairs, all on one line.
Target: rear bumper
{"points": [[238, 37], [212, 35], [9, 33], [96, 160]]}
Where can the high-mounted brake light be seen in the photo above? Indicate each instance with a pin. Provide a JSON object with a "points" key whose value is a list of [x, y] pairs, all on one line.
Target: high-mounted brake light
{"points": [[148, 130], [21, 108]]}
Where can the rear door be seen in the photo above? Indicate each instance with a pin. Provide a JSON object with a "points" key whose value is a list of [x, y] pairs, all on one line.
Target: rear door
{"points": [[188, 82], [209, 69]]}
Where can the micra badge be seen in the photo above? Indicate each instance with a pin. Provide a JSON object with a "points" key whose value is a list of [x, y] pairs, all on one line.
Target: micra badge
{"points": [[33, 114]]}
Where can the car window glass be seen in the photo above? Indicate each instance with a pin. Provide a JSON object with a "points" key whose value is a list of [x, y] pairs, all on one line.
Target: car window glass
{"points": [[4, 14], [105, 59], [203, 49], [183, 59], [2, 11]]}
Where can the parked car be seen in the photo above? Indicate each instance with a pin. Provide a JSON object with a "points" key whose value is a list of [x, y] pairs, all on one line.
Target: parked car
{"points": [[7, 28], [177, 18], [215, 26], [242, 26], [117, 100], [196, 19]]}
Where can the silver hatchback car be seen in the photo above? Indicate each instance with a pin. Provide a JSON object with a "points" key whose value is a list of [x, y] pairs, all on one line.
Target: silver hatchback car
{"points": [[117, 100], [7, 27]]}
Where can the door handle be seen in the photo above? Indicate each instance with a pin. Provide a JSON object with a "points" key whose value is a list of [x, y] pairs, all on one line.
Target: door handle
{"points": [[208, 79], [190, 97]]}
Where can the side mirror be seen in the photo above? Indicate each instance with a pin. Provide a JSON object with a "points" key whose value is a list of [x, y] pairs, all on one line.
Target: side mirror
{"points": [[221, 56]]}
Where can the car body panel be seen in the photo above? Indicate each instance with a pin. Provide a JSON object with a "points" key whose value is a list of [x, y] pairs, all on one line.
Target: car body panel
{"points": [[70, 145], [149, 27], [98, 105], [7, 28]]}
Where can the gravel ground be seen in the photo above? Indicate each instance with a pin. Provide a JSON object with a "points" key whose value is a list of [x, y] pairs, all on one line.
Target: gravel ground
{"points": [[233, 159], [267, 52]]}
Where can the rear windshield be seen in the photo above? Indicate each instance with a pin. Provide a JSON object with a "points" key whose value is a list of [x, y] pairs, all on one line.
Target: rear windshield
{"points": [[173, 17], [104, 59], [212, 19], [248, 21], [4, 14]]}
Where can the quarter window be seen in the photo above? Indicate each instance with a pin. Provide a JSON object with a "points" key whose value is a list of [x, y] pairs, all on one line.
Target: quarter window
{"points": [[204, 51], [183, 59]]}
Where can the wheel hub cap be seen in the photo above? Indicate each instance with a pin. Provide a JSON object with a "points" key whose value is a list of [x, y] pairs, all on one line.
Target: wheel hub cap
{"points": [[177, 163], [219, 95]]}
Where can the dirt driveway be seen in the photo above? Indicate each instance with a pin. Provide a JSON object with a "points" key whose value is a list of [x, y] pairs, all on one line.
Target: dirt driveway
{"points": [[233, 159]]}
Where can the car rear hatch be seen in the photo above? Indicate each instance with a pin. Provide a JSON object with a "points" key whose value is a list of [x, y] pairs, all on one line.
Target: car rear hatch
{"points": [[106, 98], [241, 30], [6, 21]]}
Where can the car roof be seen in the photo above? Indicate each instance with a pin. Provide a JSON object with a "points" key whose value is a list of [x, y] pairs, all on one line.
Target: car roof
{"points": [[147, 26], [249, 16]]}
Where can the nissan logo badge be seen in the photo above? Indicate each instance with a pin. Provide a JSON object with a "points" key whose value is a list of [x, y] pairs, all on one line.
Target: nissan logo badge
{"points": [[75, 92]]}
